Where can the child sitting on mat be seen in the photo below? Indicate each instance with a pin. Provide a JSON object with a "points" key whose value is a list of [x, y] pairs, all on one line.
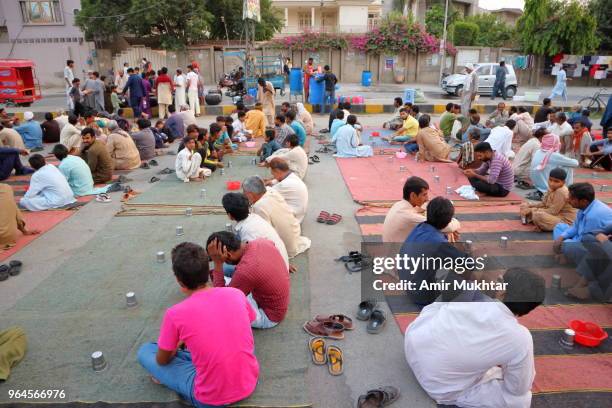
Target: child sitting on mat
{"points": [[269, 147], [554, 207]]}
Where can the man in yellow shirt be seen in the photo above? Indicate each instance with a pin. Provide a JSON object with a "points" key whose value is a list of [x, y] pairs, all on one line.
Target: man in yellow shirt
{"points": [[406, 135], [256, 121]]}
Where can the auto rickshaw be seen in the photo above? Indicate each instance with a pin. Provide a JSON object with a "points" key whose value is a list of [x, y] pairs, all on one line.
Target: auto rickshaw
{"points": [[18, 83]]}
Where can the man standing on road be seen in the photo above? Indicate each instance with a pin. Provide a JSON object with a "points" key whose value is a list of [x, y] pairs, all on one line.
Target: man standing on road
{"points": [[265, 96], [500, 81], [329, 98], [470, 89], [68, 77], [134, 85], [192, 90], [560, 88]]}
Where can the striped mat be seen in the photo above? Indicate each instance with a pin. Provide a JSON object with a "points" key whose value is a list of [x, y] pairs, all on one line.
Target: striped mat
{"points": [[580, 377]]}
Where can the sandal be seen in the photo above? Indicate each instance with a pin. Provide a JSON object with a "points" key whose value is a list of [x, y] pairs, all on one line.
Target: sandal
{"points": [[380, 397], [377, 322], [113, 188], [154, 179], [352, 256], [523, 185], [4, 272], [323, 217], [15, 267], [353, 266], [534, 196], [311, 161], [344, 320], [145, 165], [365, 310], [329, 330], [317, 350], [335, 361], [334, 219], [167, 171], [103, 198], [153, 163], [315, 159]]}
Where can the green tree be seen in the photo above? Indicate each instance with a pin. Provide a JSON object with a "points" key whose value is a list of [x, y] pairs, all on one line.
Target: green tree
{"points": [[264, 30], [465, 33], [434, 19], [492, 32], [548, 27], [102, 19], [602, 11]]}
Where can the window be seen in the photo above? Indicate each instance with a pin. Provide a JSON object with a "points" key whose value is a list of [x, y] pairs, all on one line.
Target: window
{"points": [[328, 20], [41, 12], [304, 20], [483, 70], [373, 20]]}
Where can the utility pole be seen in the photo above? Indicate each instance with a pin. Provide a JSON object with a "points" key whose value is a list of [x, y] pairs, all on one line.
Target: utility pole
{"points": [[443, 44]]}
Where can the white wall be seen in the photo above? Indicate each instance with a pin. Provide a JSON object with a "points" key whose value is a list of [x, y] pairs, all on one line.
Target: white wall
{"points": [[353, 17]]}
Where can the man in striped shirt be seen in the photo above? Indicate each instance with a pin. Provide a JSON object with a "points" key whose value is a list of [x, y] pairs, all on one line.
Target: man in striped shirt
{"points": [[500, 180]]}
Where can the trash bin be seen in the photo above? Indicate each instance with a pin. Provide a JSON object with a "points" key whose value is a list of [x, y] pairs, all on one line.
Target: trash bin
{"points": [[366, 78], [409, 95], [315, 97], [295, 81]]}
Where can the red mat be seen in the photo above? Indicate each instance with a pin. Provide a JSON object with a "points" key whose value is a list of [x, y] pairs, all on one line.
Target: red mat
{"points": [[378, 178], [41, 220], [586, 372]]}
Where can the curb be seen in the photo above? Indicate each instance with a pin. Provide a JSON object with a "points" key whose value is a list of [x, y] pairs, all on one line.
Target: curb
{"points": [[369, 109]]}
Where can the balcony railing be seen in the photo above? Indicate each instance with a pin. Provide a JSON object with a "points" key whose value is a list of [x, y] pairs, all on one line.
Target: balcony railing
{"points": [[334, 29]]}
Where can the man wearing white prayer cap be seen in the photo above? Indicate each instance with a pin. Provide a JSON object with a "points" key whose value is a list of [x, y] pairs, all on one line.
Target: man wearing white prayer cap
{"points": [[31, 132], [470, 89]]}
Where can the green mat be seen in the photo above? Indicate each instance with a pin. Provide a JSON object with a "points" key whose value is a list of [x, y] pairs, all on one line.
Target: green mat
{"points": [[81, 308]]}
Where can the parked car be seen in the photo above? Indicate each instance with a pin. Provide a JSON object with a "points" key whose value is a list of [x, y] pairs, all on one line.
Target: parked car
{"points": [[453, 84]]}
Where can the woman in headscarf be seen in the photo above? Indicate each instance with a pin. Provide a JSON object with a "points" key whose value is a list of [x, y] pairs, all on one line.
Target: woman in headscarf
{"points": [[304, 116], [546, 159], [122, 148]]}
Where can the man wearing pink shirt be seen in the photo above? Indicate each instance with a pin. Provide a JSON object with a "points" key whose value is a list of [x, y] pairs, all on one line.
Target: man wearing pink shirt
{"points": [[219, 366]]}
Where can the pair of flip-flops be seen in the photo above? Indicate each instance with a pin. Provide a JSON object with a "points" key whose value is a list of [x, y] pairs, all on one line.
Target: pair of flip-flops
{"points": [[376, 318], [354, 261], [12, 269], [323, 354], [329, 219], [314, 159], [329, 326]]}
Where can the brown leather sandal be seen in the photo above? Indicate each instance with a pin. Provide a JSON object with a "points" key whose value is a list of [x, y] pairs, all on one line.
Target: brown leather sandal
{"points": [[344, 320], [329, 330]]}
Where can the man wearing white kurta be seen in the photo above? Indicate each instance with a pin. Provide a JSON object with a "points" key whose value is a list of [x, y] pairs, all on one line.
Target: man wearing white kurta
{"points": [[500, 139], [68, 77], [290, 186], [179, 90], [48, 187], [470, 89], [273, 208], [474, 352], [295, 156], [188, 162], [192, 91]]}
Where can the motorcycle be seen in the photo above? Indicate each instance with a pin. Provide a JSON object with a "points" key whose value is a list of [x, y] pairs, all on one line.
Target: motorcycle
{"points": [[235, 87]]}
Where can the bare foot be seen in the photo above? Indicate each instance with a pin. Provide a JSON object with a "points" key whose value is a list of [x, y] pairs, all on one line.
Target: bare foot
{"points": [[579, 293], [155, 380]]}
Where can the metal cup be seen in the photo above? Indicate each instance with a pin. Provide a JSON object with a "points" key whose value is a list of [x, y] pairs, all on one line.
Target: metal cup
{"points": [[503, 242], [179, 230], [523, 220], [189, 212], [469, 245], [161, 257], [556, 281], [603, 188], [567, 338], [222, 171], [229, 164], [228, 227], [98, 362], [449, 190], [203, 193], [402, 169], [130, 299], [432, 169], [254, 161], [436, 179]]}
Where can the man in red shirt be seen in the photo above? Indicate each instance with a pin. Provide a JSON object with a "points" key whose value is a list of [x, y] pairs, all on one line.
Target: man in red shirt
{"points": [[260, 273]]}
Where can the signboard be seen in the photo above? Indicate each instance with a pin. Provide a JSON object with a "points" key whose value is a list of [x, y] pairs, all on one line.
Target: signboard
{"points": [[389, 64], [251, 10]]}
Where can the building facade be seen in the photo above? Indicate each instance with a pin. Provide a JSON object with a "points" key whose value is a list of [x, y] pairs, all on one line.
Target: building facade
{"points": [[44, 32], [333, 16]]}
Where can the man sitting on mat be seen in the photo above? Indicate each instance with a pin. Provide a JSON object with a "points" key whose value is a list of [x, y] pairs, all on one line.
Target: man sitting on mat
{"points": [[466, 158], [78, 175], [261, 273], [48, 187], [521, 165], [347, 141], [500, 180], [430, 140], [500, 139], [554, 208], [294, 154], [96, 156], [406, 135], [396, 120], [406, 214], [337, 124], [290, 186], [214, 325], [10, 160], [600, 152], [11, 219], [272, 207], [476, 353], [250, 226]]}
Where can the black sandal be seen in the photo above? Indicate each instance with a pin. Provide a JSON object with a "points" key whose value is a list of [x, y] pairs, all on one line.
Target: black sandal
{"points": [[377, 322], [365, 309], [154, 179], [153, 163]]}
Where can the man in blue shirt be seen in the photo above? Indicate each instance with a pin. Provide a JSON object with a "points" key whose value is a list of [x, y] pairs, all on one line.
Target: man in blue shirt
{"points": [[593, 215], [428, 242], [137, 92], [175, 123], [601, 152], [297, 127], [31, 133]]}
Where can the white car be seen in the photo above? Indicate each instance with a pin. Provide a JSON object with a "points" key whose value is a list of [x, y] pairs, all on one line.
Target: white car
{"points": [[453, 84]]}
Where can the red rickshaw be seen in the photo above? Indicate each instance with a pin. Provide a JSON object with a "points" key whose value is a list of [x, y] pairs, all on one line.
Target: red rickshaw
{"points": [[18, 83]]}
